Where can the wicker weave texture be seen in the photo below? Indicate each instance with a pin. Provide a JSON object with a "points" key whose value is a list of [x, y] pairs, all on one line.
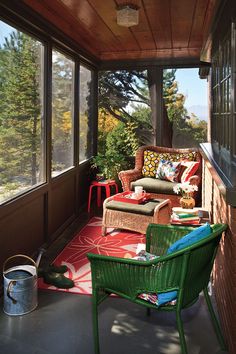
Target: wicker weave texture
{"points": [[187, 271], [126, 177], [129, 277], [135, 222]]}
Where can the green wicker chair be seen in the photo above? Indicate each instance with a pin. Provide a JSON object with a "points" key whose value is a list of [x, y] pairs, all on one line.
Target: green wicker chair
{"points": [[187, 271]]}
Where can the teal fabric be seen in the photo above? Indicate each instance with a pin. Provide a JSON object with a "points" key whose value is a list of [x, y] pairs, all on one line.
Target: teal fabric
{"points": [[154, 185], [163, 298], [146, 208], [194, 236]]}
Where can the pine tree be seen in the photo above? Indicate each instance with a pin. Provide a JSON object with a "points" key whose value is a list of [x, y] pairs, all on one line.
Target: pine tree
{"points": [[174, 101], [62, 108], [20, 121]]}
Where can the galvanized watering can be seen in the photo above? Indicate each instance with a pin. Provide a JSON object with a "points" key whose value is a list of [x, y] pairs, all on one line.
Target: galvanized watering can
{"points": [[20, 287]]}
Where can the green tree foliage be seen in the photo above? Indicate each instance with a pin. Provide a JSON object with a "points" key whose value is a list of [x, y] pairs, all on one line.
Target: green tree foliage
{"points": [[20, 121], [121, 90], [174, 101], [106, 123], [120, 145], [62, 137], [188, 131], [126, 96], [193, 131]]}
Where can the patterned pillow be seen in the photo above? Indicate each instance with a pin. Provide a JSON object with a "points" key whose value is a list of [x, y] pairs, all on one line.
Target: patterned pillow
{"points": [[152, 159], [145, 256], [167, 298], [150, 163], [168, 170], [190, 168], [178, 156]]}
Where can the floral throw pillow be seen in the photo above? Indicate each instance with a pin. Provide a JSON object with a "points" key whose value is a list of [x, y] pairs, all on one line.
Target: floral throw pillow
{"points": [[168, 170]]}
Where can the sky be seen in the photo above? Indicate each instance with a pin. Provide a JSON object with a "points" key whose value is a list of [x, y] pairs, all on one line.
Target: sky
{"points": [[4, 31], [194, 88]]}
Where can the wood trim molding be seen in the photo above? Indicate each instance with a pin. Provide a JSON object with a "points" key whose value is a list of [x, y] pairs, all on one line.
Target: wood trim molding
{"points": [[226, 187]]}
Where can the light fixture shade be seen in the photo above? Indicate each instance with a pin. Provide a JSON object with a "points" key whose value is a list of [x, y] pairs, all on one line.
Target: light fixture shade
{"points": [[127, 15]]}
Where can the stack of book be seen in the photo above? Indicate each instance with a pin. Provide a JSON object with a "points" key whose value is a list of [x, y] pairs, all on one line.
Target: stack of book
{"points": [[185, 216]]}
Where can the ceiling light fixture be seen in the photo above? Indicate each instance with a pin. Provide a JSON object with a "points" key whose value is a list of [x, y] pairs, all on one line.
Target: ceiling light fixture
{"points": [[127, 15]]}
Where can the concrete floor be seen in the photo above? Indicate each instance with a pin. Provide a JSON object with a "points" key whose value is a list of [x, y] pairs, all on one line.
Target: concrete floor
{"points": [[62, 324]]}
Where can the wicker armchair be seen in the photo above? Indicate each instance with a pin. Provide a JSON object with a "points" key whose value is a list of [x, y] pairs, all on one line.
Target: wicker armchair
{"points": [[129, 176], [186, 271]]}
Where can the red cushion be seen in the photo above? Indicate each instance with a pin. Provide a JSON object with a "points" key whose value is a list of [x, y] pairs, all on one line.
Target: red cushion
{"points": [[190, 168]]}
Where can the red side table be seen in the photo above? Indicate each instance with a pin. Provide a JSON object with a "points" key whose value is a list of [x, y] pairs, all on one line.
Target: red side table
{"points": [[107, 184]]}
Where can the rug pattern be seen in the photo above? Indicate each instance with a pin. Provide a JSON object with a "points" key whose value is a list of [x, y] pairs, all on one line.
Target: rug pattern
{"points": [[117, 243]]}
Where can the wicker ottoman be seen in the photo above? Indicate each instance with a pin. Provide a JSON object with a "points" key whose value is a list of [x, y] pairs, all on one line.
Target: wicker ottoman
{"points": [[135, 217]]}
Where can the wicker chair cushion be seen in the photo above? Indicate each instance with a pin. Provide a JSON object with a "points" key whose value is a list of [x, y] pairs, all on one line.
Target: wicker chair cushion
{"points": [[153, 185], [145, 209]]}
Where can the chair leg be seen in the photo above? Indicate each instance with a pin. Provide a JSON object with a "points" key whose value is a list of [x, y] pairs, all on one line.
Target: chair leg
{"points": [[181, 333], [89, 198], [104, 230], [95, 326], [214, 320]]}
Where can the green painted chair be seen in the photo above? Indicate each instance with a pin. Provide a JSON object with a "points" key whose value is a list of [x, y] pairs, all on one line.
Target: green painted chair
{"points": [[187, 271]]}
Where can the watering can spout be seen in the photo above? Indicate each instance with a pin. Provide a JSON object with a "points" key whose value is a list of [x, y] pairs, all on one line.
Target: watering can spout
{"points": [[41, 252]]}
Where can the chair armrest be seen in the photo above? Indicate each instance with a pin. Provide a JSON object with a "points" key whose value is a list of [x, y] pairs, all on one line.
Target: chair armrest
{"points": [[128, 176], [129, 277]]}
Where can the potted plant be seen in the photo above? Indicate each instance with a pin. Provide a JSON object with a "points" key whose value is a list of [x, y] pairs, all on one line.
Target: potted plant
{"points": [[186, 190], [108, 165]]}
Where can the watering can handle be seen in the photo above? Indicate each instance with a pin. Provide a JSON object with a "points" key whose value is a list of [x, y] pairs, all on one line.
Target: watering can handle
{"points": [[21, 256]]}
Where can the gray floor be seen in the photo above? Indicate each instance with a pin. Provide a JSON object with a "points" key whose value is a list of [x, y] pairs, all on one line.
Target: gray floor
{"points": [[62, 324]]}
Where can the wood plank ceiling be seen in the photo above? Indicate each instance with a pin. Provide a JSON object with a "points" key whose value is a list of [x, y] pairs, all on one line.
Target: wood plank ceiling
{"points": [[168, 29]]}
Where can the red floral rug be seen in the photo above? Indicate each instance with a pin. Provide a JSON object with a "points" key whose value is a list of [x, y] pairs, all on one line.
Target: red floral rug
{"points": [[117, 243]]}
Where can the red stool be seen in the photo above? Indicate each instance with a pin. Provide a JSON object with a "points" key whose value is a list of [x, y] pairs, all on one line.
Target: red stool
{"points": [[107, 184]]}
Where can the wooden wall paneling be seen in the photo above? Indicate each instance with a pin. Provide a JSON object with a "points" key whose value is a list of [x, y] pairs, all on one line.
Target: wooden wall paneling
{"points": [[144, 39], [143, 32], [158, 15], [171, 55], [83, 184], [163, 25], [123, 36], [181, 22], [199, 21], [55, 13], [22, 230], [61, 203], [88, 16]]}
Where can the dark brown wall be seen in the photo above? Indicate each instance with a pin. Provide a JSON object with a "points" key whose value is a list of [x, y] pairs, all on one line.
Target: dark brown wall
{"points": [[41, 215]]}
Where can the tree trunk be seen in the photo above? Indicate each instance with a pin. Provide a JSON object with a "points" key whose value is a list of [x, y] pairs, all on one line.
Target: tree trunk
{"points": [[162, 127]]}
